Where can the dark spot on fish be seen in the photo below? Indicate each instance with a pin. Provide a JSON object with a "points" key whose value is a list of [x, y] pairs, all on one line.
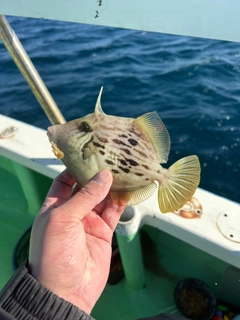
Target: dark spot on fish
{"points": [[133, 142], [139, 174], [104, 140], [123, 162], [122, 136], [96, 144], [120, 142], [133, 131], [144, 166], [147, 145], [103, 127], [124, 169], [127, 151], [132, 162], [109, 128], [141, 153], [102, 152], [114, 171], [147, 179], [109, 162]]}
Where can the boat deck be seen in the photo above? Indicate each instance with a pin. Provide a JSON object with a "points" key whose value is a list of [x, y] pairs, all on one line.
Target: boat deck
{"points": [[167, 259], [172, 247]]}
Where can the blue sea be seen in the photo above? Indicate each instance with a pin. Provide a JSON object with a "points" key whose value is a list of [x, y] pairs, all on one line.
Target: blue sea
{"points": [[193, 83]]}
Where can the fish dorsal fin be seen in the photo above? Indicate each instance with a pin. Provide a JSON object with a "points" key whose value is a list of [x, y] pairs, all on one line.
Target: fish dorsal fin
{"points": [[157, 133], [131, 198], [98, 108]]}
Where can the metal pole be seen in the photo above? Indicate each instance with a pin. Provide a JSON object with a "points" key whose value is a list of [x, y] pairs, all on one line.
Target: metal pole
{"points": [[29, 72]]}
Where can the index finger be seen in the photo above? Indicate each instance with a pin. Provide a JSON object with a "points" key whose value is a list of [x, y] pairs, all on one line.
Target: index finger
{"points": [[62, 186], [60, 191]]}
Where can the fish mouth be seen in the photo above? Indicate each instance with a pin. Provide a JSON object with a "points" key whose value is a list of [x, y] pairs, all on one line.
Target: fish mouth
{"points": [[58, 153], [50, 133]]}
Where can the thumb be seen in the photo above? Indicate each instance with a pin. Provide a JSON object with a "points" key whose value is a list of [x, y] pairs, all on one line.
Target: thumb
{"points": [[89, 196]]}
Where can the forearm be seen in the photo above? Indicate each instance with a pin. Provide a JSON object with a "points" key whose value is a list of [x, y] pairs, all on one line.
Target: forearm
{"points": [[25, 298]]}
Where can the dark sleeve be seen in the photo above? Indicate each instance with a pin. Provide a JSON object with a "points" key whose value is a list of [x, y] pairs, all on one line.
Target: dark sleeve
{"points": [[24, 297]]}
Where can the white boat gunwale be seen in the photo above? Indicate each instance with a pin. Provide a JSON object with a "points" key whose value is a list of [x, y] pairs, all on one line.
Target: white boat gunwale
{"points": [[201, 233]]}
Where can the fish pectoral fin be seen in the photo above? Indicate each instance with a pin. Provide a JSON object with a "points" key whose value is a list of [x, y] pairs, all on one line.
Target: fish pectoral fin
{"points": [[184, 177], [156, 132], [131, 198]]}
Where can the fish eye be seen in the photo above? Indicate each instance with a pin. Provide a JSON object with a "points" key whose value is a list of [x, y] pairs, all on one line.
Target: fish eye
{"points": [[198, 212], [84, 126]]}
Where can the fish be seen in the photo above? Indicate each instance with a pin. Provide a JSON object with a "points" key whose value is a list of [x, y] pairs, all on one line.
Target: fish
{"points": [[132, 150]]}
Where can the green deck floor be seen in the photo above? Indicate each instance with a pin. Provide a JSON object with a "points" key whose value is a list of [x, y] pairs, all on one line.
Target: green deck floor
{"points": [[167, 259], [15, 215]]}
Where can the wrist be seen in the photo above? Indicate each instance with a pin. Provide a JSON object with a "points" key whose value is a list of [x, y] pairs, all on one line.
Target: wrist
{"points": [[59, 285], [15, 299]]}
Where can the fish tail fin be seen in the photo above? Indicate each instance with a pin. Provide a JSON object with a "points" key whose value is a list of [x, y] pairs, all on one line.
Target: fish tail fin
{"points": [[182, 182]]}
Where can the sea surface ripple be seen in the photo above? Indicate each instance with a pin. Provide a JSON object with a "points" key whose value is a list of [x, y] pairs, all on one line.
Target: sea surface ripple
{"points": [[193, 83]]}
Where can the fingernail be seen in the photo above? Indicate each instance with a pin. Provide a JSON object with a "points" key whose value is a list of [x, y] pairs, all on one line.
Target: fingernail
{"points": [[102, 177]]}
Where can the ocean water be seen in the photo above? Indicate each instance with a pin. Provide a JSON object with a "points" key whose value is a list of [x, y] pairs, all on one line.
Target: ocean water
{"points": [[193, 84]]}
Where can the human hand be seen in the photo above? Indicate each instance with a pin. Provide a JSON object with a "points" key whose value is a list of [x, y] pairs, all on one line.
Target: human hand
{"points": [[70, 246]]}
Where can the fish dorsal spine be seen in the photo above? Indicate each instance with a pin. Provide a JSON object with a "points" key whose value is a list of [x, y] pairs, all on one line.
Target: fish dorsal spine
{"points": [[98, 108]]}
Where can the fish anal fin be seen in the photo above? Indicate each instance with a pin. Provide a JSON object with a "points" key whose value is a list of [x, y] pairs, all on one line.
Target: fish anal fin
{"points": [[157, 133], [133, 197], [184, 177]]}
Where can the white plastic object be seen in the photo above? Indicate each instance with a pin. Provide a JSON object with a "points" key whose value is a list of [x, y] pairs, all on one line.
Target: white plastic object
{"points": [[229, 225]]}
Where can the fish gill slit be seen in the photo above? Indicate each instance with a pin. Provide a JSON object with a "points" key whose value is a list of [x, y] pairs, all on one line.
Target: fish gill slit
{"points": [[85, 149], [87, 143]]}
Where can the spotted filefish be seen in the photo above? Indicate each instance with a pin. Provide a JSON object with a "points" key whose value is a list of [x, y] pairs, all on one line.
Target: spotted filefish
{"points": [[132, 150]]}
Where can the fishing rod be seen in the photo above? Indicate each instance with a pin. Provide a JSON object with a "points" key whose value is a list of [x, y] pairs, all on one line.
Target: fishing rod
{"points": [[29, 72]]}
